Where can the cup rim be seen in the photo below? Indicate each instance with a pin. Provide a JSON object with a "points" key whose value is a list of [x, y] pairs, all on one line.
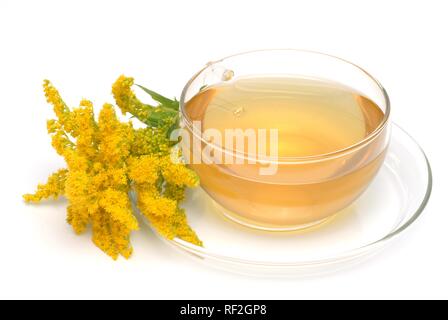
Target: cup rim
{"points": [[295, 159]]}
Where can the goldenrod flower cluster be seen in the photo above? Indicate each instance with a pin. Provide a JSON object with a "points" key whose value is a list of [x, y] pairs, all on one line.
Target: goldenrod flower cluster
{"points": [[107, 160]]}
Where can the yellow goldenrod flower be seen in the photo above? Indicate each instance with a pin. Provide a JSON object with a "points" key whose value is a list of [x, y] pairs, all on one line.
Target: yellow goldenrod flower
{"points": [[107, 160], [163, 115], [53, 97], [126, 99], [53, 188], [178, 174]]}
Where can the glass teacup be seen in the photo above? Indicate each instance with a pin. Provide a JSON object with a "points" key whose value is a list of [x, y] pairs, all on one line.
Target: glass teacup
{"points": [[304, 189]]}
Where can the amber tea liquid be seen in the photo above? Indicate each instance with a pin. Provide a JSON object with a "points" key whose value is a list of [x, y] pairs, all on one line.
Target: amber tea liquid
{"points": [[313, 118]]}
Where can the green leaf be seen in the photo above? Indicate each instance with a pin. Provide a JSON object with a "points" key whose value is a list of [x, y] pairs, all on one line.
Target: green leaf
{"points": [[164, 101]]}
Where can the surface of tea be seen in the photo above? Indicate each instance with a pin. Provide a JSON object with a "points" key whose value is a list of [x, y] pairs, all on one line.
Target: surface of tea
{"points": [[313, 118]]}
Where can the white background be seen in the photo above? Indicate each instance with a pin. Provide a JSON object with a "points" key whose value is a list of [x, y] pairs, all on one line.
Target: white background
{"points": [[82, 46]]}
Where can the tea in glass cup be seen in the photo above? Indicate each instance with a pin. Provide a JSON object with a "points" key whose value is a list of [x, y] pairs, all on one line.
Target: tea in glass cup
{"points": [[331, 135]]}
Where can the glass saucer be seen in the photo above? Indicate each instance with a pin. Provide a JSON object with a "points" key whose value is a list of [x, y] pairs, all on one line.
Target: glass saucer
{"points": [[393, 201]]}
